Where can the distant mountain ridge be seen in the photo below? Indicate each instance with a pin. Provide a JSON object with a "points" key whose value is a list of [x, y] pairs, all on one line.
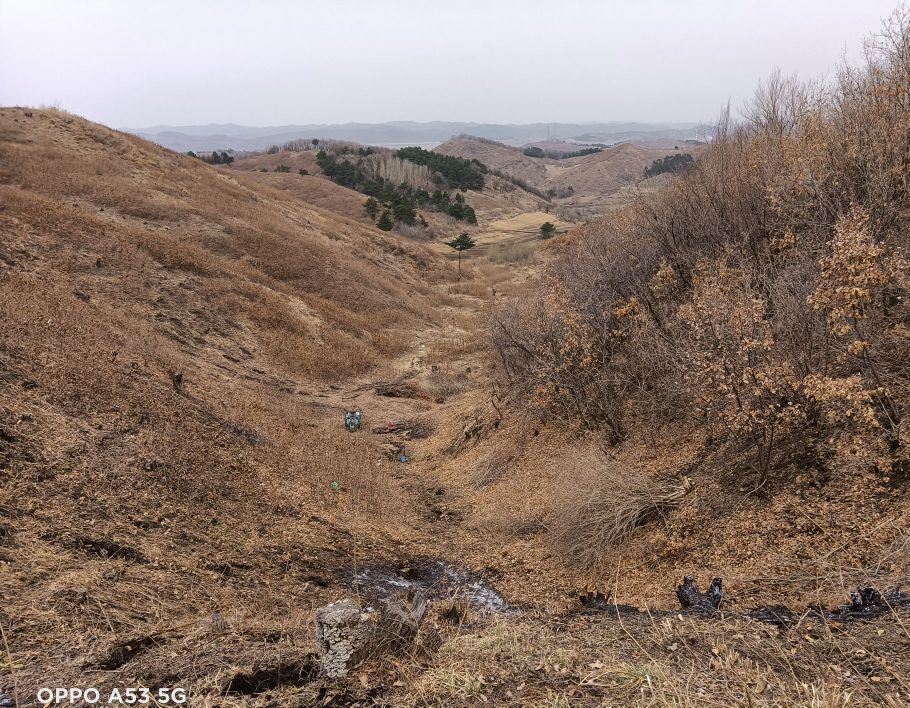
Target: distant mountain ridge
{"points": [[227, 136]]}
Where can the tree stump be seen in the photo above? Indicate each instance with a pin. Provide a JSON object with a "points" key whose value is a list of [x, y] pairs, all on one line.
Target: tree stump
{"points": [[342, 632]]}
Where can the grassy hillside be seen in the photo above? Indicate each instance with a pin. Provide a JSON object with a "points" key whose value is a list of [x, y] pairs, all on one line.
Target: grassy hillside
{"points": [[167, 334], [579, 187], [108, 197], [311, 188], [713, 380], [497, 156], [498, 198]]}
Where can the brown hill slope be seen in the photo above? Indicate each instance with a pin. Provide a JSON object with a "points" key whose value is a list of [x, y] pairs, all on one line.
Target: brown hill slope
{"points": [[109, 199], [499, 197], [584, 186], [497, 156], [177, 493], [165, 445], [603, 173], [311, 188]]}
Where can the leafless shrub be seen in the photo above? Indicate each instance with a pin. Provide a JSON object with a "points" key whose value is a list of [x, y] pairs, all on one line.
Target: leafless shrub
{"points": [[763, 295], [410, 231]]}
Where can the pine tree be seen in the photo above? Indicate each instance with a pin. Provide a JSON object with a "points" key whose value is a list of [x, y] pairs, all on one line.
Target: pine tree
{"points": [[404, 211], [547, 229], [460, 243], [371, 206], [385, 221]]}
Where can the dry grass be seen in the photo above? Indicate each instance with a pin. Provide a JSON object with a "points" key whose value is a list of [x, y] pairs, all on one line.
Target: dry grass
{"points": [[203, 524], [598, 503], [677, 661], [309, 282], [491, 467], [445, 382], [515, 253], [594, 179], [130, 508], [471, 288]]}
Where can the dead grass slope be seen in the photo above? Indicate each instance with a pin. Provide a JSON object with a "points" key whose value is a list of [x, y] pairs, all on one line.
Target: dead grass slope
{"points": [[585, 186], [299, 278], [312, 188], [165, 458], [604, 173], [498, 157]]}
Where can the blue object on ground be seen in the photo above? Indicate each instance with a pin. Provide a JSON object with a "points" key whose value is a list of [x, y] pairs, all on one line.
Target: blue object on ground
{"points": [[352, 419]]}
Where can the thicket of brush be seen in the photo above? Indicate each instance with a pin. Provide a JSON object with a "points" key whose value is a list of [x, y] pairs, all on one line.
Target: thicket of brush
{"points": [[761, 297]]}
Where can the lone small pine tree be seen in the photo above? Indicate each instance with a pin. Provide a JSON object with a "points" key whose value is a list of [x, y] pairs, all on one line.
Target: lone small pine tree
{"points": [[547, 229], [385, 221], [460, 243]]}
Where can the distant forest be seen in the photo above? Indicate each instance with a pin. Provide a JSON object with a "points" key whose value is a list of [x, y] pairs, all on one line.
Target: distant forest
{"points": [[670, 163], [397, 202], [534, 151]]}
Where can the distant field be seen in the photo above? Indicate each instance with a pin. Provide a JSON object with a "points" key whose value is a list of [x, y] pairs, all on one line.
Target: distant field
{"points": [[529, 221]]}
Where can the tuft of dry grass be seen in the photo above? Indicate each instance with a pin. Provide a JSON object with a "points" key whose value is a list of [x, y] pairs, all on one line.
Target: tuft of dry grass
{"points": [[445, 382], [676, 661], [492, 466], [598, 503]]}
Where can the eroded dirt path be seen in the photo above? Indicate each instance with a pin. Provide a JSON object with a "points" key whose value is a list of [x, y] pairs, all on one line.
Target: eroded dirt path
{"points": [[423, 405]]}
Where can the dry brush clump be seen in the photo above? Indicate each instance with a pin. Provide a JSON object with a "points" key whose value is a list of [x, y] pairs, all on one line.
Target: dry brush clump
{"points": [[512, 253], [598, 503], [762, 297]]}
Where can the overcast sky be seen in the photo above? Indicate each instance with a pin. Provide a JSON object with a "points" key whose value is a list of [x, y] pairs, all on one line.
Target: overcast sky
{"points": [[138, 63]]}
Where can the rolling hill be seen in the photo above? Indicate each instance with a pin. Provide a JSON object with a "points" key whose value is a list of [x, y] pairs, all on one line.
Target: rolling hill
{"points": [[178, 494], [401, 133], [169, 332], [582, 187], [498, 199]]}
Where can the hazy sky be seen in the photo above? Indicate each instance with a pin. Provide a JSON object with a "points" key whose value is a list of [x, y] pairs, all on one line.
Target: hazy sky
{"points": [[269, 62]]}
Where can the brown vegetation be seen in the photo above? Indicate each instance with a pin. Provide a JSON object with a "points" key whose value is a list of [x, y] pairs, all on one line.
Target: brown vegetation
{"points": [[579, 187], [168, 334], [763, 296], [603, 504]]}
